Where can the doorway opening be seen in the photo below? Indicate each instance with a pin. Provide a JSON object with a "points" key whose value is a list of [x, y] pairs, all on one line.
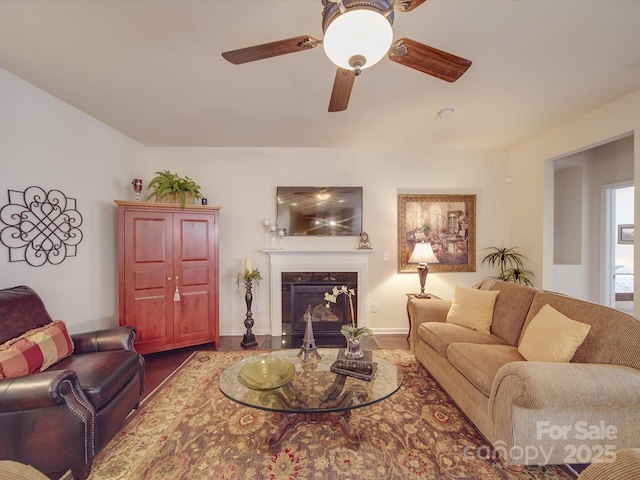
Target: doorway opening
{"points": [[619, 246]]}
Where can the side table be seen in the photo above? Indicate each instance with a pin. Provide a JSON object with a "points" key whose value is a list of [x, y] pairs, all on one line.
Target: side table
{"points": [[411, 296]]}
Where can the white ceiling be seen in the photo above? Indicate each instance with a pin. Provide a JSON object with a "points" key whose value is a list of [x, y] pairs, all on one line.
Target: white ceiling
{"points": [[153, 70]]}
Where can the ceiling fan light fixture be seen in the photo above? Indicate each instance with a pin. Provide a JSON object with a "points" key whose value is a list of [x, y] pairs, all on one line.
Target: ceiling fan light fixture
{"points": [[358, 32]]}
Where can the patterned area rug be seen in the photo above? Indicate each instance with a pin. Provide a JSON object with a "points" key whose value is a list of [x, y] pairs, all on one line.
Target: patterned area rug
{"points": [[189, 430]]}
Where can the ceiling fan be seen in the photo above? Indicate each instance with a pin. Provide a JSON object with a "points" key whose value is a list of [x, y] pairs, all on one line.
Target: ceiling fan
{"points": [[357, 34]]}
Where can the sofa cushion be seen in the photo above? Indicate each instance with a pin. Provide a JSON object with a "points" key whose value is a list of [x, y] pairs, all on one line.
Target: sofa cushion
{"points": [[439, 336], [102, 374], [510, 310], [480, 363], [552, 337], [472, 308], [623, 464], [35, 350], [614, 336]]}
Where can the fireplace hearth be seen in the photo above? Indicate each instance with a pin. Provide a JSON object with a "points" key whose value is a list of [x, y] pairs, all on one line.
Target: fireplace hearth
{"points": [[304, 291]]}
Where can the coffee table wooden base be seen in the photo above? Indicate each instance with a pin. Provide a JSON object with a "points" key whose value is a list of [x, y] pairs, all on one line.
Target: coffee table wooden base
{"points": [[289, 422], [314, 395]]}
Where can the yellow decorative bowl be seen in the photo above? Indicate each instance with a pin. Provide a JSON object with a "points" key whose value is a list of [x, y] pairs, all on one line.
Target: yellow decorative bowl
{"points": [[267, 374]]}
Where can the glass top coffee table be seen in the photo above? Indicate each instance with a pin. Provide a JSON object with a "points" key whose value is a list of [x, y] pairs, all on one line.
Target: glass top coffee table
{"points": [[310, 392]]}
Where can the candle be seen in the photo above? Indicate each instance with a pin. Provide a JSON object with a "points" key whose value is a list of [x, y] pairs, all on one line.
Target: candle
{"points": [[247, 265]]}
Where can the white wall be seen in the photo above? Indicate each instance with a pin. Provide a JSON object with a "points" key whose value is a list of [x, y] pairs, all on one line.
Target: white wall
{"points": [[243, 182], [47, 143], [612, 164], [579, 266], [531, 167]]}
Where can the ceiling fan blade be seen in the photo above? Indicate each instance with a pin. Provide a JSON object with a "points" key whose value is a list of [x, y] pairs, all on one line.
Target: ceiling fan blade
{"points": [[341, 92], [411, 4], [429, 60], [272, 49]]}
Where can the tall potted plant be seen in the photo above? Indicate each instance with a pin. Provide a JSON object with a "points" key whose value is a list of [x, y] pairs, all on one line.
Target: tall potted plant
{"points": [[172, 187], [510, 264]]}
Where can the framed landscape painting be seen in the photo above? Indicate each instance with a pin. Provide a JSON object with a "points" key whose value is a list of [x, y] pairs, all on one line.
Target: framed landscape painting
{"points": [[439, 230]]}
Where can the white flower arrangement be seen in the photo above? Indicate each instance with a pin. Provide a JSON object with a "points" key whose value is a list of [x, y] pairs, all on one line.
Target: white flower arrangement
{"points": [[350, 329]]}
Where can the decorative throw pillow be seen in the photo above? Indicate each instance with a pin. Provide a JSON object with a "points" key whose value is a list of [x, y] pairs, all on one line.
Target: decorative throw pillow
{"points": [[472, 308], [35, 350], [552, 337]]}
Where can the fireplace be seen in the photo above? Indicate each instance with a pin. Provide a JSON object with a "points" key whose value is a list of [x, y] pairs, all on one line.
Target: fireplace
{"points": [[312, 261], [303, 292]]}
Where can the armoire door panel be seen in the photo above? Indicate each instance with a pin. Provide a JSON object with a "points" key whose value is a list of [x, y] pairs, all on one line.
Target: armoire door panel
{"points": [[150, 319], [148, 276], [194, 238], [195, 275], [194, 318], [196, 255], [150, 240], [149, 279]]}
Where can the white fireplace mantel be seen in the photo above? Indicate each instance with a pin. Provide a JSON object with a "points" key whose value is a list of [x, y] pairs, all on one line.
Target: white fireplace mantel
{"points": [[282, 261]]}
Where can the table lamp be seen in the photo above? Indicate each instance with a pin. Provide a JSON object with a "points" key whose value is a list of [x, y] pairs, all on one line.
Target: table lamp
{"points": [[423, 255]]}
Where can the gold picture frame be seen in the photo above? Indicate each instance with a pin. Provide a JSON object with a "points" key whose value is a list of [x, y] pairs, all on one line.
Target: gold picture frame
{"points": [[444, 224]]}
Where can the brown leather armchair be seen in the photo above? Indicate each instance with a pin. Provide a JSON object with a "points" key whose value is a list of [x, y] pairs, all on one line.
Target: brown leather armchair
{"points": [[59, 419]]}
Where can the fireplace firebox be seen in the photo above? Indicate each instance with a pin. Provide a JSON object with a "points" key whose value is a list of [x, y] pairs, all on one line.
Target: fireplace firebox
{"points": [[304, 291]]}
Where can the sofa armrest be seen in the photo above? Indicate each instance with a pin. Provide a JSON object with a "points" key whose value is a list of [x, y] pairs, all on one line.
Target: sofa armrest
{"points": [[545, 385], [39, 390], [119, 338], [423, 310]]}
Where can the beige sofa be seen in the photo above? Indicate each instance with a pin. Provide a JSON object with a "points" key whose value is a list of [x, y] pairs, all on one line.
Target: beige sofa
{"points": [[536, 412]]}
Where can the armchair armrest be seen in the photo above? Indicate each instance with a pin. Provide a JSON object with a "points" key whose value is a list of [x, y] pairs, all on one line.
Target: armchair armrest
{"points": [[119, 338], [47, 412], [545, 385], [39, 390]]}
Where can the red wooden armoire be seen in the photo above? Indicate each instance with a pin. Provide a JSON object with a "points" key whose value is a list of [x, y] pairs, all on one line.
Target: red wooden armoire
{"points": [[169, 274]]}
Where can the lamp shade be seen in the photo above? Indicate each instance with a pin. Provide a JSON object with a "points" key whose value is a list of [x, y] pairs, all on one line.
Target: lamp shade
{"points": [[358, 33], [423, 253]]}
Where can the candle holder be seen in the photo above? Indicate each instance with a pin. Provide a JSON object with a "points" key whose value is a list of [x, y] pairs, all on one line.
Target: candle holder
{"points": [[249, 339], [273, 232], [137, 187], [266, 224], [280, 234]]}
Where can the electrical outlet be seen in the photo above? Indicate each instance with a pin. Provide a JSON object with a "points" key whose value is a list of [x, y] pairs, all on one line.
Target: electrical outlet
{"points": [[374, 308], [385, 256]]}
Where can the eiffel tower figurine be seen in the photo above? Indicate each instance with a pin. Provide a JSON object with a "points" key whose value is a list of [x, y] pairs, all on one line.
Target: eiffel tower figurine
{"points": [[308, 342]]}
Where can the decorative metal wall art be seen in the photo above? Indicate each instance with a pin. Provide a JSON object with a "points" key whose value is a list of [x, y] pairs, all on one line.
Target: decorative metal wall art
{"points": [[41, 226]]}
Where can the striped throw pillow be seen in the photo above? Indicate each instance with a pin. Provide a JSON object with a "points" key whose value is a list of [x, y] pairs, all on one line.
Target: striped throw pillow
{"points": [[35, 350]]}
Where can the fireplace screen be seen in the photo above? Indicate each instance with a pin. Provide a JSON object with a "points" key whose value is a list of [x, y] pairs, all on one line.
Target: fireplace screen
{"points": [[302, 292]]}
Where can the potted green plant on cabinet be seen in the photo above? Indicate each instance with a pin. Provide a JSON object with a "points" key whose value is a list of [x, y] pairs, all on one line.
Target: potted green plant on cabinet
{"points": [[510, 264], [172, 188]]}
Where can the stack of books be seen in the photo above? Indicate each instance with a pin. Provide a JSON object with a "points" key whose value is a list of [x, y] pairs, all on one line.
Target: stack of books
{"points": [[363, 368]]}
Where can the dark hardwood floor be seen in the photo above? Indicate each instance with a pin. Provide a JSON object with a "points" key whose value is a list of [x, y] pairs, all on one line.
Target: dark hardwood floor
{"points": [[158, 366]]}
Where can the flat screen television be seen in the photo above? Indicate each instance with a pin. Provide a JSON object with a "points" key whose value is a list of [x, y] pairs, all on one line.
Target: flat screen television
{"points": [[320, 211]]}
